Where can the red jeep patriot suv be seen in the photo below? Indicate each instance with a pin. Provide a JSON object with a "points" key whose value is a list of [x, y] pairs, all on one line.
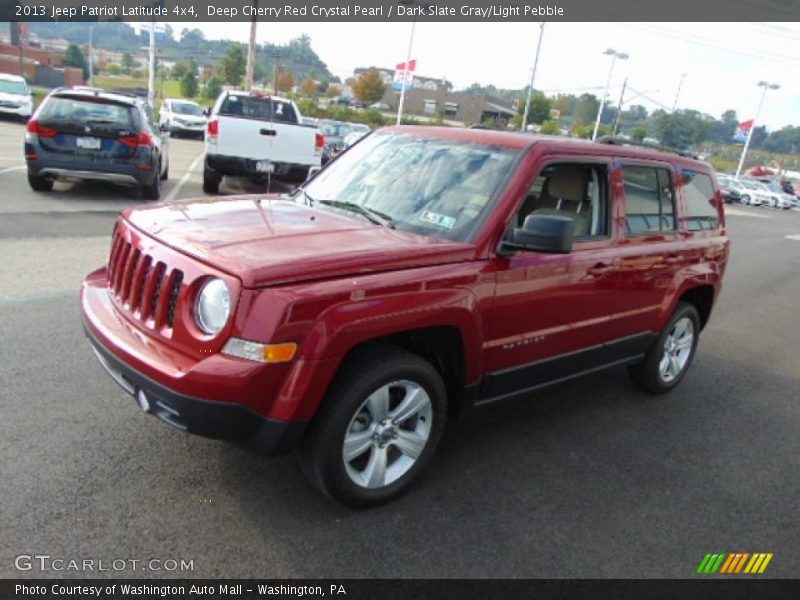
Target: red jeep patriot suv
{"points": [[424, 271]]}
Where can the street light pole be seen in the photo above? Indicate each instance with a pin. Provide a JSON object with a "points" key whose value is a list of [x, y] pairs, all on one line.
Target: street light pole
{"points": [[767, 86], [91, 54], [405, 73], [678, 93], [151, 77], [533, 76], [619, 107], [251, 51], [614, 56]]}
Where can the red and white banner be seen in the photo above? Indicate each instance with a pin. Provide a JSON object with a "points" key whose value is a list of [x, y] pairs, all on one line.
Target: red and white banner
{"points": [[742, 131], [404, 78]]}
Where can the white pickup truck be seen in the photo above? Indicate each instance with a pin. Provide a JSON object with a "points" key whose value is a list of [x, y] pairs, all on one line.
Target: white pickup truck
{"points": [[257, 136]]}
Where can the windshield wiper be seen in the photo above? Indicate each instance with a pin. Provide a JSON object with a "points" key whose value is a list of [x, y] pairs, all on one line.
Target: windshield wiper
{"points": [[371, 214]]}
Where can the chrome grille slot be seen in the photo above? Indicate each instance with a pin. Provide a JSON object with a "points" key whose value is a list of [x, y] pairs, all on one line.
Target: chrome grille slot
{"points": [[155, 291]]}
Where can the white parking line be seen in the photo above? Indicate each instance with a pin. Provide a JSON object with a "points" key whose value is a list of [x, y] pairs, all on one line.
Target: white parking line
{"points": [[17, 168], [182, 181], [742, 213], [793, 236]]}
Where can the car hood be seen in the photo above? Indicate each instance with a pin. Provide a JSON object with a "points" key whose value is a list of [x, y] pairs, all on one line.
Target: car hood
{"points": [[269, 240]]}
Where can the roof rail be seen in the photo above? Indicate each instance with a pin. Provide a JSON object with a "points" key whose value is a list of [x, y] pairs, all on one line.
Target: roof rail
{"points": [[618, 141]]}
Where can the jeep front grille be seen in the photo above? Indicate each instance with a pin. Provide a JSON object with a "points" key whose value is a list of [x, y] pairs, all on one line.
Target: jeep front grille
{"points": [[149, 291]]}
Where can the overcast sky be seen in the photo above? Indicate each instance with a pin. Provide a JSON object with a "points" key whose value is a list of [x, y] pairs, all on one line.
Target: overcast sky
{"points": [[722, 61]]}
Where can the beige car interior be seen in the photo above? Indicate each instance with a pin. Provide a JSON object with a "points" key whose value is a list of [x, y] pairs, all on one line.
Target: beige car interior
{"points": [[571, 191]]}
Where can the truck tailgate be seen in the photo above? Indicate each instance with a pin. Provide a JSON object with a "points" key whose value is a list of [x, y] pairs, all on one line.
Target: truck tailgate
{"points": [[264, 140]]}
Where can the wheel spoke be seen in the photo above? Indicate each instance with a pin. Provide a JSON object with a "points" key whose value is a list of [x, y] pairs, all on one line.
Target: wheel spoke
{"points": [[663, 367], [375, 473], [684, 343], [356, 443], [410, 443], [378, 403], [675, 365], [415, 400]]}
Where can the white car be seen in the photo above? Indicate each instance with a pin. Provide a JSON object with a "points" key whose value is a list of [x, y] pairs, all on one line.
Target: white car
{"points": [[754, 193], [15, 96], [778, 198], [182, 117]]}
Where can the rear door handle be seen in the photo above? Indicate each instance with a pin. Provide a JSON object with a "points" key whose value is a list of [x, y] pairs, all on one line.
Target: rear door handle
{"points": [[270, 132]]}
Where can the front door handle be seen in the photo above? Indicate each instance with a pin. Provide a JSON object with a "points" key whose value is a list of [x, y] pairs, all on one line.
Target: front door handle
{"points": [[600, 269], [270, 132]]}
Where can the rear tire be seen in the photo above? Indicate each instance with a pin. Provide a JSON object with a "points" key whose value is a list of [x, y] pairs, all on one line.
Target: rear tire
{"points": [[671, 355], [39, 183], [153, 191], [387, 408], [165, 174], [210, 182]]}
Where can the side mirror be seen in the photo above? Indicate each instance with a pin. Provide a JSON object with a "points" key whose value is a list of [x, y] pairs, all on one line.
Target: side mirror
{"points": [[544, 233], [312, 172]]}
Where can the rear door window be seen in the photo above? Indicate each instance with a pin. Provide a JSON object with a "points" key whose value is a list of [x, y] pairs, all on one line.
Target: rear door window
{"points": [[649, 200], [254, 107], [701, 209]]}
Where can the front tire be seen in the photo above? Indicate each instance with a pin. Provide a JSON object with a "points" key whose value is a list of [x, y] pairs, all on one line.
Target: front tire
{"points": [[377, 429], [669, 358]]}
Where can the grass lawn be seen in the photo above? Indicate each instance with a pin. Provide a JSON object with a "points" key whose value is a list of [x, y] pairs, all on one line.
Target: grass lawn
{"points": [[171, 87]]}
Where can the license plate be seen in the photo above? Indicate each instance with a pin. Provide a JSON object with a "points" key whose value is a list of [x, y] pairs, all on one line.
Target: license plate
{"points": [[264, 166], [88, 143]]}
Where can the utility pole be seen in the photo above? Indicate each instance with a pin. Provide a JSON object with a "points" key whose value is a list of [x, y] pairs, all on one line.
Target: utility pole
{"points": [[533, 76], [614, 56], [91, 54], [678, 93], [619, 107], [151, 77], [251, 50]]}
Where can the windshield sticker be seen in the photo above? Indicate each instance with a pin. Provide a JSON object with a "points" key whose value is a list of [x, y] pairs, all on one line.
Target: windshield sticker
{"points": [[438, 220]]}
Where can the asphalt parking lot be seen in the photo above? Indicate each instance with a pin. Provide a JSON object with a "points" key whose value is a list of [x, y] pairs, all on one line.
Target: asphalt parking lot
{"points": [[588, 479]]}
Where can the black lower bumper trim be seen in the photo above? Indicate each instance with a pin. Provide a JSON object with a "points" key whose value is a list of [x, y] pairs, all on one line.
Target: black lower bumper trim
{"points": [[209, 418]]}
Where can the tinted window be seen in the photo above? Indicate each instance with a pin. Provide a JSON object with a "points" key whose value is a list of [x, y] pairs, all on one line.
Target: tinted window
{"points": [[253, 107], [78, 111], [701, 211], [649, 200], [13, 87], [187, 108]]}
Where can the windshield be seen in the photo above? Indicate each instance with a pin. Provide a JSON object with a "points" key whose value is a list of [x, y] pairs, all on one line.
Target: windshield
{"points": [[775, 188], [186, 108], [429, 186], [13, 87]]}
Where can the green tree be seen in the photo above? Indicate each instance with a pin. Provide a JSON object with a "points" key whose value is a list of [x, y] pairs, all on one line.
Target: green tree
{"points": [[127, 63], [284, 81], [638, 134], [179, 70], [233, 65], [189, 85], [585, 110], [550, 127], [682, 128], [114, 69], [369, 87], [73, 57], [333, 91], [539, 110], [213, 88], [308, 87]]}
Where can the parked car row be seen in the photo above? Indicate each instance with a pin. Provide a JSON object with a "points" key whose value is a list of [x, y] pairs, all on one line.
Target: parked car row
{"points": [[756, 193]]}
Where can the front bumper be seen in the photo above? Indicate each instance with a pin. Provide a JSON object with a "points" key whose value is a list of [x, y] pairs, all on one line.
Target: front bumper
{"points": [[187, 129], [216, 396], [24, 111], [219, 420]]}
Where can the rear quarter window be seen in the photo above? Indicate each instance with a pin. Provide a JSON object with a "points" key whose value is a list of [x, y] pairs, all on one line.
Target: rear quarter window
{"points": [[701, 207], [262, 109]]}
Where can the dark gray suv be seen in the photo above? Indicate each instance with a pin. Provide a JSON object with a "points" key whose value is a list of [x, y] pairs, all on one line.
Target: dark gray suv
{"points": [[87, 134]]}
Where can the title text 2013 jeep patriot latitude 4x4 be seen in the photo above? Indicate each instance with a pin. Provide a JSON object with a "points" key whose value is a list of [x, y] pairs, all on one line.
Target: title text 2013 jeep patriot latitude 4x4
{"points": [[423, 271]]}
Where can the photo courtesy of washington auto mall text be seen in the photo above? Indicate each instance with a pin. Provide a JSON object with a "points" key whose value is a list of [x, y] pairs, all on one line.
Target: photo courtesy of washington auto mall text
{"points": [[399, 299]]}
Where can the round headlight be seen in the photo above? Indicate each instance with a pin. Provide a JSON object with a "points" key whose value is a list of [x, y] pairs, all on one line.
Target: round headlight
{"points": [[213, 306]]}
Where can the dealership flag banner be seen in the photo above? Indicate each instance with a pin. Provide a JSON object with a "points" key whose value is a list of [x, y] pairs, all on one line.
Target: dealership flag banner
{"points": [[742, 131], [404, 78]]}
